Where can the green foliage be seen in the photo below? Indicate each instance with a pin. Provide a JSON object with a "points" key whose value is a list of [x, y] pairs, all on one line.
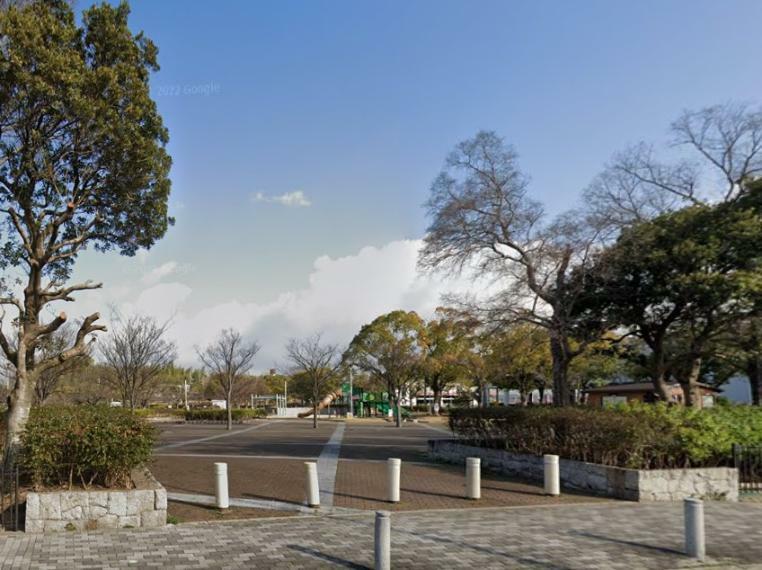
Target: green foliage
{"points": [[218, 415], [680, 280], [638, 436], [83, 148], [91, 445], [152, 412], [391, 349]]}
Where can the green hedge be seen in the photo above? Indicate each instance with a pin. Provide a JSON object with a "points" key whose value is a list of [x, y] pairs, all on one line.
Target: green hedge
{"points": [[643, 436], [217, 415], [87, 445], [160, 412]]}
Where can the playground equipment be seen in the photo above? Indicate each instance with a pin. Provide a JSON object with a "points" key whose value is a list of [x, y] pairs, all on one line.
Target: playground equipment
{"points": [[324, 403]]}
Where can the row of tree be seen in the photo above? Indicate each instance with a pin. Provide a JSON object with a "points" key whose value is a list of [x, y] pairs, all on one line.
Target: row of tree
{"points": [[665, 250]]}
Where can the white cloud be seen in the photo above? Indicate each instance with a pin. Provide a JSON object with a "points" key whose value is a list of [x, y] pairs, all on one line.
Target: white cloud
{"points": [[296, 199], [158, 273], [342, 294]]}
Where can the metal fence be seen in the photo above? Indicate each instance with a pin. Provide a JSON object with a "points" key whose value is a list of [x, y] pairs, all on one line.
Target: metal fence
{"points": [[11, 515], [748, 460]]}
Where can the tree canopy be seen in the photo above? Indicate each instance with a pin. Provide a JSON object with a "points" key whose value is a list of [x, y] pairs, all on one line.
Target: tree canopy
{"points": [[83, 163]]}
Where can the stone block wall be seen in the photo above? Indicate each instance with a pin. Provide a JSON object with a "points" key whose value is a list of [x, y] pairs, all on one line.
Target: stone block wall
{"points": [[719, 483], [145, 506]]}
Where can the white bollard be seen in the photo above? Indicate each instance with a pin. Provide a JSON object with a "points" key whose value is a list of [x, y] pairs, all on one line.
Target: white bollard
{"points": [[473, 478], [552, 475], [695, 544], [393, 467], [313, 491], [221, 485], [383, 540]]}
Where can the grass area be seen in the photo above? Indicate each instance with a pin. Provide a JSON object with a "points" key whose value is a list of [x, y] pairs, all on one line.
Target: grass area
{"points": [[178, 513]]}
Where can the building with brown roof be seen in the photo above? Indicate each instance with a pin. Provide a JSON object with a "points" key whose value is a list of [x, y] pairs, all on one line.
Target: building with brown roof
{"points": [[645, 392]]}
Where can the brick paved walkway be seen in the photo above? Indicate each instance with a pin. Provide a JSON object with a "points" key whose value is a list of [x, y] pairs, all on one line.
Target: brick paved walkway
{"points": [[589, 537]]}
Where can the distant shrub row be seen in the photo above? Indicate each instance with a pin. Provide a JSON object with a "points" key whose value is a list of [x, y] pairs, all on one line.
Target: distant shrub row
{"points": [[84, 445], [642, 436], [217, 415]]}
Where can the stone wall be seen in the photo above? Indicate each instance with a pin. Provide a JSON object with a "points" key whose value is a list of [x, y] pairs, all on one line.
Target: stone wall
{"points": [[630, 484], [144, 506]]}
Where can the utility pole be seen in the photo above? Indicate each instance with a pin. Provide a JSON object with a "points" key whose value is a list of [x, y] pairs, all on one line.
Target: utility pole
{"points": [[285, 392], [185, 393]]}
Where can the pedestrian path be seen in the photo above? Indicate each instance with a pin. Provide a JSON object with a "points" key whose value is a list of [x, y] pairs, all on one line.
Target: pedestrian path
{"points": [[585, 537], [327, 464]]}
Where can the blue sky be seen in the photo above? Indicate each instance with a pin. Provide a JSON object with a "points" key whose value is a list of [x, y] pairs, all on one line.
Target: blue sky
{"points": [[356, 104]]}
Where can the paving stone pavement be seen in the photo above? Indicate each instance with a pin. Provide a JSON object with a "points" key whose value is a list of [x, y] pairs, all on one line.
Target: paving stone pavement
{"points": [[591, 537]]}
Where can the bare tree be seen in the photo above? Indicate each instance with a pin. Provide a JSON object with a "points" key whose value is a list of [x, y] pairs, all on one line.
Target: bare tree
{"points": [[228, 359], [482, 218], [719, 152], [49, 379], [137, 352], [319, 362]]}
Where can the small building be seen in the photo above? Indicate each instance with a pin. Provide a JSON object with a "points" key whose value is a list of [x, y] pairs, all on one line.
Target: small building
{"points": [[629, 392]]}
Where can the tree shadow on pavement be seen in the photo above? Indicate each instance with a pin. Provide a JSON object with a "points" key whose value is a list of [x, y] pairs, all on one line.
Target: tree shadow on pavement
{"points": [[661, 549], [492, 552], [327, 557]]}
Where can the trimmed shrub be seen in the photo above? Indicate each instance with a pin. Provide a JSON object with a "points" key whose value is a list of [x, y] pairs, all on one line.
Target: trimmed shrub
{"points": [[218, 415], [639, 436], [160, 412], [88, 445]]}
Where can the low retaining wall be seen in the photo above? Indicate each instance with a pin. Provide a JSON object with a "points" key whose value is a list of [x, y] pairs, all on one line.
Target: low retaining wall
{"points": [[631, 484], [144, 506]]}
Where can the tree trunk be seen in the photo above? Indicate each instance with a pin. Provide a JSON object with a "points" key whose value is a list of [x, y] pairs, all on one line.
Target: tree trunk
{"points": [[754, 372], [689, 384], [228, 404], [397, 411], [560, 372], [437, 402], [480, 387], [659, 377], [314, 412], [19, 406]]}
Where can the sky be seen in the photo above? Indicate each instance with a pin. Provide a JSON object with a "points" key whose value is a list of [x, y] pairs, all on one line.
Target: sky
{"points": [[305, 137]]}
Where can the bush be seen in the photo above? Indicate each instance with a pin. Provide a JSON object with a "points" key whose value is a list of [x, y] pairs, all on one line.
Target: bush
{"points": [[642, 436], [218, 415], [160, 412], [91, 445]]}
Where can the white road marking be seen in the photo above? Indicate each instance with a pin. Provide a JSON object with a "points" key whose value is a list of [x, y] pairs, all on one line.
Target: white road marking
{"points": [[271, 505], [211, 437], [327, 464]]}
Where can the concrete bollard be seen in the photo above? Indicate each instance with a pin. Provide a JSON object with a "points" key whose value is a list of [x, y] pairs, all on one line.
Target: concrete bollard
{"points": [[393, 467], [552, 475], [383, 540], [473, 478], [695, 544], [221, 485], [313, 491]]}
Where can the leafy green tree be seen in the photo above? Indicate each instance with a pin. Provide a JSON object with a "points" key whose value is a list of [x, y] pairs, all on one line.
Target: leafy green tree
{"points": [[681, 280], [391, 350], [447, 343], [82, 163], [520, 360]]}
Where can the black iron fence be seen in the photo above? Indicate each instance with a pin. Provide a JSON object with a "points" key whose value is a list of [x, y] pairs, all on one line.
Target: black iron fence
{"points": [[748, 460], [11, 515]]}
